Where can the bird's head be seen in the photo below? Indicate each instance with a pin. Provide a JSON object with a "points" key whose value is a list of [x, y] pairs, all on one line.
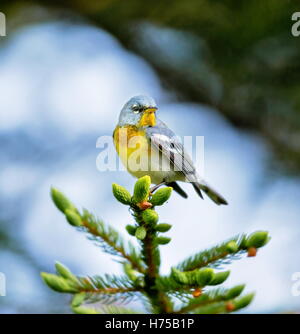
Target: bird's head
{"points": [[139, 111]]}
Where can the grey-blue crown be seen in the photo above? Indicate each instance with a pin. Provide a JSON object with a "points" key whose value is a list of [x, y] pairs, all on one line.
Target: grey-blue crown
{"points": [[141, 100]]}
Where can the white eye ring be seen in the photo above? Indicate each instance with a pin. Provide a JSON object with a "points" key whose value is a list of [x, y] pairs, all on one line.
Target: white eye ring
{"points": [[136, 108]]}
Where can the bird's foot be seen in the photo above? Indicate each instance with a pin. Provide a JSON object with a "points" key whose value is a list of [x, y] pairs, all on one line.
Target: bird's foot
{"points": [[153, 189]]}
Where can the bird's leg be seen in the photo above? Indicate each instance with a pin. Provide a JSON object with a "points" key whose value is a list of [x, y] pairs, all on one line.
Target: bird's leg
{"points": [[153, 189]]}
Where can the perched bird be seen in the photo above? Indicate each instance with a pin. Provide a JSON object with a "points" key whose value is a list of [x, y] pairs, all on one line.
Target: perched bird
{"points": [[147, 146]]}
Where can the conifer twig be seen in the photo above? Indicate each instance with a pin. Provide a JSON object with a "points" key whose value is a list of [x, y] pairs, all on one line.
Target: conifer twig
{"points": [[142, 278], [151, 258], [118, 248], [223, 253]]}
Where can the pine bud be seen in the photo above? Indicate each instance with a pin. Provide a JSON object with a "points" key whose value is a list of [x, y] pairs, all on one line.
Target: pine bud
{"points": [[144, 205], [252, 252], [84, 310], [140, 233], [257, 239], [163, 227], [141, 189], [219, 278], [204, 276], [73, 218], [179, 276], [235, 291], [65, 272], [163, 240], [57, 283], [131, 273], [232, 247], [150, 216], [161, 196], [61, 201], [131, 229], [230, 306], [243, 301], [78, 299], [121, 194], [197, 292]]}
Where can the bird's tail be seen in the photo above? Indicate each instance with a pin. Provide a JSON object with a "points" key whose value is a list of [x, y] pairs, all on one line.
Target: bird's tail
{"points": [[210, 192]]}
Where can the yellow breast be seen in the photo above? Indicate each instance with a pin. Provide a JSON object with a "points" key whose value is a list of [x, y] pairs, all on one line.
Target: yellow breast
{"points": [[131, 145]]}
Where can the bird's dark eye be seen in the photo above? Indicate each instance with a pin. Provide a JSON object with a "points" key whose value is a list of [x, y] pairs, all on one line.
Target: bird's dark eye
{"points": [[136, 108]]}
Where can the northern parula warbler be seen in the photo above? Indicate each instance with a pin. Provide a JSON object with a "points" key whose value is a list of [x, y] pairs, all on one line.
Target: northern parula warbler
{"points": [[147, 146]]}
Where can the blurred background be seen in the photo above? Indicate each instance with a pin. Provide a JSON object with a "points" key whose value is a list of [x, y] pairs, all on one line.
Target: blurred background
{"points": [[225, 70]]}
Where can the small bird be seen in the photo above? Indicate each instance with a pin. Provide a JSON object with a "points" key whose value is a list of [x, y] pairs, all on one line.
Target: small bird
{"points": [[141, 138]]}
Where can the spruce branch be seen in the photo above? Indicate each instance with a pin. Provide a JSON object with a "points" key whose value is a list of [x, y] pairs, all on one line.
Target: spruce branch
{"points": [[229, 306], [225, 252], [190, 280], [147, 220], [111, 241], [188, 287], [91, 289], [105, 309], [210, 297], [102, 234], [113, 309]]}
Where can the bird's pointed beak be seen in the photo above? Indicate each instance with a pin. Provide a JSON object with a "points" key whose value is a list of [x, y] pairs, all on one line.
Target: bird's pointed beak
{"points": [[151, 110], [148, 118]]}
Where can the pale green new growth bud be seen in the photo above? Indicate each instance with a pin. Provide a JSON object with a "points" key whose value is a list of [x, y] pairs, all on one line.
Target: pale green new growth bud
{"points": [[140, 233], [73, 218], [204, 276], [235, 291], [257, 239], [132, 274], [131, 229], [78, 299], [150, 216], [232, 247], [243, 301], [161, 196], [58, 283], [219, 278], [141, 189], [163, 240], [61, 201], [121, 194], [65, 272], [163, 227], [84, 310], [179, 276]]}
